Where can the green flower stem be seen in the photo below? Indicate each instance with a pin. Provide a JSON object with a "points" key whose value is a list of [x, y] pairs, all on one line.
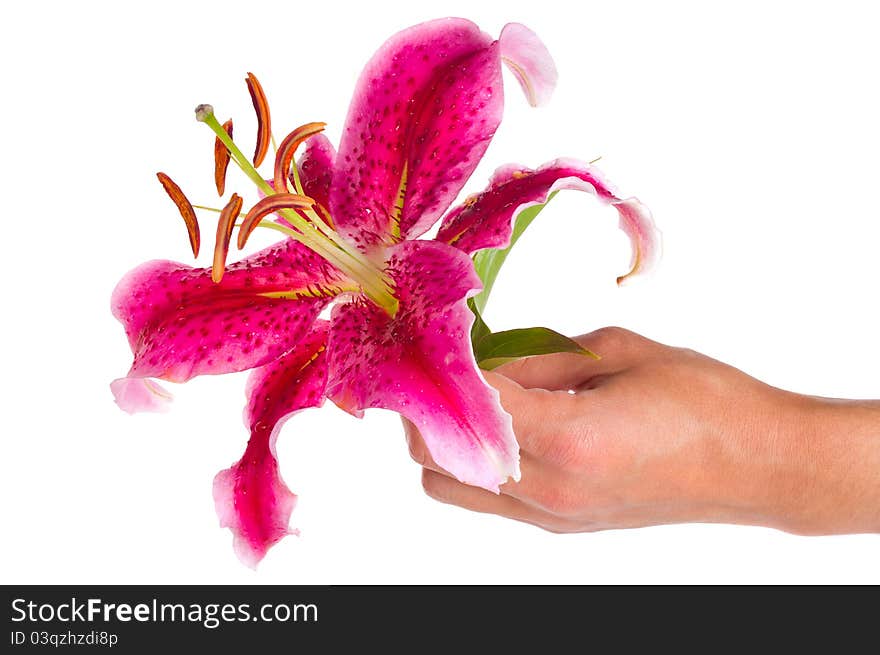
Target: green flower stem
{"points": [[488, 262]]}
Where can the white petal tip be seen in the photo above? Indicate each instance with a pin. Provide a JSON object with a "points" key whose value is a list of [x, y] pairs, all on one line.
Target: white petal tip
{"points": [[246, 555], [135, 395], [529, 61]]}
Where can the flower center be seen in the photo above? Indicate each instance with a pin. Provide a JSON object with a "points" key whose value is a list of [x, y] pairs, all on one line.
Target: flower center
{"points": [[307, 221]]}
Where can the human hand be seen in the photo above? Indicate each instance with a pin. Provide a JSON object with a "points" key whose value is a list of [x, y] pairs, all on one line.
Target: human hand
{"points": [[652, 434]]}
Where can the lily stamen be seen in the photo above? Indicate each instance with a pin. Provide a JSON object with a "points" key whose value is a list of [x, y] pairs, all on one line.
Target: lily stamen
{"points": [[286, 172], [286, 152], [323, 241], [264, 121], [266, 206], [225, 225], [221, 160], [184, 206]]}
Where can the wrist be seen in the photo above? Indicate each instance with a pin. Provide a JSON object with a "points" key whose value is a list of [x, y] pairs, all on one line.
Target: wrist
{"points": [[824, 466]]}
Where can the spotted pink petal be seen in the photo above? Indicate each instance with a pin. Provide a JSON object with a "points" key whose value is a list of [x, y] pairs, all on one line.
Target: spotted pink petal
{"points": [[316, 168], [420, 364], [422, 115], [486, 220], [250, 497], [180, 324], [529, 61]]}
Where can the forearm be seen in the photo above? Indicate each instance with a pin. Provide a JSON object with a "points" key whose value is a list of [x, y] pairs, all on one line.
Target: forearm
{"points": [[827, 467]]}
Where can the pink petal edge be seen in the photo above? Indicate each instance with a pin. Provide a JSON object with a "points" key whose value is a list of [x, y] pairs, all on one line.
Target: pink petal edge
{"points": [[485, 220]]}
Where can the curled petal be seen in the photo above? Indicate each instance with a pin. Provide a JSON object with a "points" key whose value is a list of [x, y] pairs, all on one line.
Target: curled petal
{"points": [[264, 119], [423, 113], [180, 324], [637, 223], [225, 225], [529, 61], [421, 365], [185, 208], [250, 497], [287, 150], [269, 205], [140, 395], [485, 220], [221, 160]]}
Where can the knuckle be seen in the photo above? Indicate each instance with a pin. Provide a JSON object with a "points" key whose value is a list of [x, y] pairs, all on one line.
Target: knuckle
{"points": [[614, 339], [612, 334]]}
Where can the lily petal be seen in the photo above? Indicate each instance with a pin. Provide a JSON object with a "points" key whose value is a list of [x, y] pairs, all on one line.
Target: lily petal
{"points": [[180, 324], [423, 113], [420, 364], [250, 497], [529, 61], [486, 220]]}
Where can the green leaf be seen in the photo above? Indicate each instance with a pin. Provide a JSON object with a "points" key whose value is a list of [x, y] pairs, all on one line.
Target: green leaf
{"points": [[479, 330], [489, 261], [498, 348]]}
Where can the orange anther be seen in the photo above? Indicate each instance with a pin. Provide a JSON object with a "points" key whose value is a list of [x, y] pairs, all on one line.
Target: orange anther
{"points": [[287, 150], [268, 205], [221, 159], [224, 234], [185, 208], [264, 120]]}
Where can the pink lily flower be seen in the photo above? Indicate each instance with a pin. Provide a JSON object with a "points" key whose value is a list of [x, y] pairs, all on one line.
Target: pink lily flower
{"points": [[423, 113]]}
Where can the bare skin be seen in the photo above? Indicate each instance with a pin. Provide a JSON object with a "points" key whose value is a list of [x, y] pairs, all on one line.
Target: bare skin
{"points": [[654, 434]]}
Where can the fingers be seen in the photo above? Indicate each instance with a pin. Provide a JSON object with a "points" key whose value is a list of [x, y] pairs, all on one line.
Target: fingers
{"points": [[541, 485], [549, 425], [618, 348], [450, 491], [526, 420]]}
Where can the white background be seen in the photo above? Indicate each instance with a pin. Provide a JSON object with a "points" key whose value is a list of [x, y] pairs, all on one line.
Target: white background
{"points": [[749, 129]]}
